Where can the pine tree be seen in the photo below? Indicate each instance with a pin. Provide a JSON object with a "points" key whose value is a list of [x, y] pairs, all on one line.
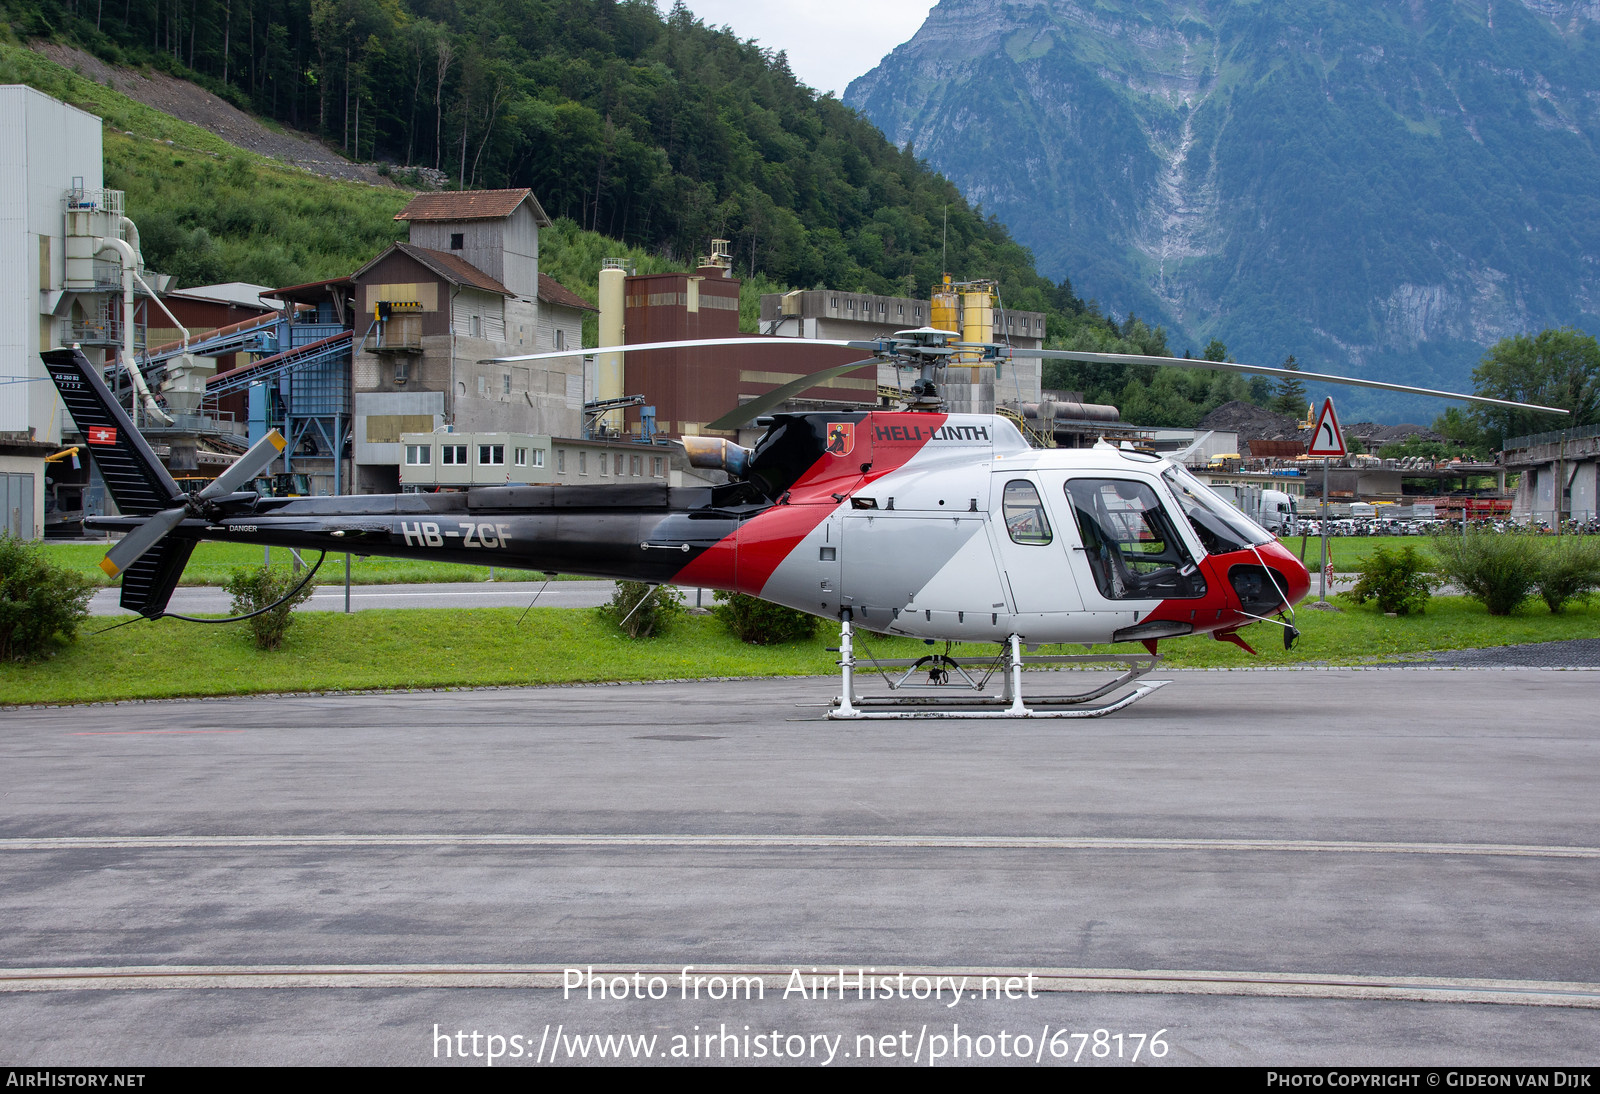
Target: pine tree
{"points": [[1291, 397]]}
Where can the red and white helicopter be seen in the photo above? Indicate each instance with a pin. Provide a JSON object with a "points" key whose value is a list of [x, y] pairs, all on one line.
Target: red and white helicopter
{"points": [[940, 526]]}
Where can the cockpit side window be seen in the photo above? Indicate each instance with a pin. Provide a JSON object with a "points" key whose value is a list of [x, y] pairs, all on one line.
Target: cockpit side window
{"points": [[1132, 548], [1024, 514]]}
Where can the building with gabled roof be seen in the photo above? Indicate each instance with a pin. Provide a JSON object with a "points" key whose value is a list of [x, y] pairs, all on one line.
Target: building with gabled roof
{"points": [[434, 311], [495, 231]]}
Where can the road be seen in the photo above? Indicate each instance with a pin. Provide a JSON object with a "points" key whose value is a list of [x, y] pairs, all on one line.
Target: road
{"points": [[209, 600], [1404, 877]]}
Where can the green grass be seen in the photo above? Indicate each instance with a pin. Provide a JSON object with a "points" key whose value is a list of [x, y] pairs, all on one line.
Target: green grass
{"points": [[330, 651], [212, 562], [210, 211], [1350, 553]]}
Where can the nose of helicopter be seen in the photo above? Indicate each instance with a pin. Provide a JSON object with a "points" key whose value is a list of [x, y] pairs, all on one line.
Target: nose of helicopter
{"points": [[1296, 576]]}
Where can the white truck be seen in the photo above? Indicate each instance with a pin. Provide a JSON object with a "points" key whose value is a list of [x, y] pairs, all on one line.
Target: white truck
{"points": [[1279, 513]]}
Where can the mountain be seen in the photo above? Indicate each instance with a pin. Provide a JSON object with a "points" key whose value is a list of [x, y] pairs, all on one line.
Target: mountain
{"points": [[1383, 188]]}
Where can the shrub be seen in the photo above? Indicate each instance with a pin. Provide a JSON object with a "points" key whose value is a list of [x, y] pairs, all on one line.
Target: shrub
{"points": [[760, 622], [1568, 570], [40, 602], [254, 589], [655, 616], [1497, 568], [1397, 579]]}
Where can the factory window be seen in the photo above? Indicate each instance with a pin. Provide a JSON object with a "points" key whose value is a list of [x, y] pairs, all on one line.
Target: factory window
{"points": [[583, 463], [538, 457], [505, 383], [900, 310], [619, 464], [455, 454], [561, 338], [475, 329], [458, 241], [655, 466], [521, 457], [561, 461], [491, 455], [633, 466], [419, 455]]}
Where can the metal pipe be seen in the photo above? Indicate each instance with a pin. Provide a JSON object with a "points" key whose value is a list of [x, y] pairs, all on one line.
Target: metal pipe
{"points": [[125, 254], [184, 343]]}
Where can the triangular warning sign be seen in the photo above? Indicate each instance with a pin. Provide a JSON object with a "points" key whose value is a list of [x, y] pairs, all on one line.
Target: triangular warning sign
{"points": [[1327, 439]]}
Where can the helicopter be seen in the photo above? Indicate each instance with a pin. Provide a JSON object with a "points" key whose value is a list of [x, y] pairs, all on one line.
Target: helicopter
{"points": [[911, 521]]}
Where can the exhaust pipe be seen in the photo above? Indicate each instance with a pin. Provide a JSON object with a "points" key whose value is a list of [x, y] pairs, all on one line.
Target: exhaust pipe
{"points": [[717, 454]]}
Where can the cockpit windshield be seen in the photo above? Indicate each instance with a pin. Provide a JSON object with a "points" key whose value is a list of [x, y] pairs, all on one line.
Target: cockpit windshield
{"points": [[1220, 526]]}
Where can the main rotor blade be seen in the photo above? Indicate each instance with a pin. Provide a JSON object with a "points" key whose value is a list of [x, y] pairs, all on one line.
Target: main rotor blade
{"points": [[1179, 457], [685, 344], [760, 405], [130, 547], [246, 467], [1261, 370]]}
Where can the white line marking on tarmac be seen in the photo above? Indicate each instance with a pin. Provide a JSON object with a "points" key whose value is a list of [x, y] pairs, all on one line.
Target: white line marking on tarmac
{"points": [[1431, 989], [144, 732], [1020, 843]]}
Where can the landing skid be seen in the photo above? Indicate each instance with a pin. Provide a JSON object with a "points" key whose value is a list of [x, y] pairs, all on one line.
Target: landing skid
{"points": [[952, 691]]}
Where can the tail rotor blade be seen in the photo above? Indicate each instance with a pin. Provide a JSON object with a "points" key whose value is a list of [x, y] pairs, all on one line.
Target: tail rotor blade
{"points": [[132, 546], [247, 466]]}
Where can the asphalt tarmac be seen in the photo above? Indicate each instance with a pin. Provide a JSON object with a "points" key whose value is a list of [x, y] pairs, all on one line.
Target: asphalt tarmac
{"points": [[1351, 867]]}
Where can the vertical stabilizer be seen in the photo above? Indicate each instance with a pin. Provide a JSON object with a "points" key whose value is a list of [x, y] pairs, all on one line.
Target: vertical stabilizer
{"points": [[137, 481]]}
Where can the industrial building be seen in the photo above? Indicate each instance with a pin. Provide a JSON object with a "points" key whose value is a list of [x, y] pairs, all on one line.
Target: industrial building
{"points": [[391, 365], [687, 388], [971, 309], [463, 289], [72, 273]]}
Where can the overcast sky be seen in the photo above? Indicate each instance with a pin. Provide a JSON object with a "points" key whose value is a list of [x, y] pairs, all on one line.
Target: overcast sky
{"points": [[829, 42]]}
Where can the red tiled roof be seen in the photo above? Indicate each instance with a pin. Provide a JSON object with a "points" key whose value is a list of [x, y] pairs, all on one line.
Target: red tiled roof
{"points": [[446, 265], [454, 268], [471, 205], [552, 291]]}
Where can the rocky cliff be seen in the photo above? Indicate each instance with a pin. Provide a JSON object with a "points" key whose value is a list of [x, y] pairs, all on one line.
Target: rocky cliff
{"points": [[1381, 187]]}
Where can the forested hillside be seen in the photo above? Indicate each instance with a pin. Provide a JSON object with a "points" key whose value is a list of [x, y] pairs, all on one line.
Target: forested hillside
{"points": [[656, 131], [639, 132]]}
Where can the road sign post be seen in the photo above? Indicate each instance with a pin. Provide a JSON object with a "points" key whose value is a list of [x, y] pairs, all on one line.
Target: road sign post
{"points": [[1327, 441]]}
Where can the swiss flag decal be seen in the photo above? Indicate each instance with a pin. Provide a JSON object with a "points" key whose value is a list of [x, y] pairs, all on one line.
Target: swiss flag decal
{"points": [[102, 434]]}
